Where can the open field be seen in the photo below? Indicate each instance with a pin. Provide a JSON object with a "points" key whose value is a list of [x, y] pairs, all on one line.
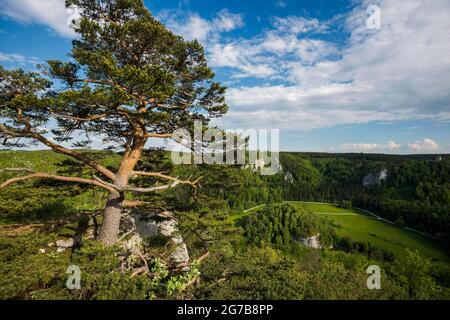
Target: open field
{"points": [[361, 227]]}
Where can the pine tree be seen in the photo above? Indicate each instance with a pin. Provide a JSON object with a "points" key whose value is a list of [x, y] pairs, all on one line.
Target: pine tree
{"points": [[129, 80]]}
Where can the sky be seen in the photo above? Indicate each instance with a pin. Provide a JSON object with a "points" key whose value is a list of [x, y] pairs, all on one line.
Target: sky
{"points": [[319, 71]]}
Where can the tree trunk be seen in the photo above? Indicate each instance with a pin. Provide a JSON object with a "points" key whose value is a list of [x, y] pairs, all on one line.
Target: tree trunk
{"points": [[109, 230]]}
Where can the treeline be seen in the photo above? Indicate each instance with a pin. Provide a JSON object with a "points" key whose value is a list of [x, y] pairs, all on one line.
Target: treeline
{"points": [[366, 248]]}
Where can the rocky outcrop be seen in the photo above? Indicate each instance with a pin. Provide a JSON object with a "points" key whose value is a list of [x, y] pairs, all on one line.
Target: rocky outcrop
{"points": [[64, 244], [375, 178], [268, 163], [311, 242], [139, 225], [149, 225], [288, 178]]}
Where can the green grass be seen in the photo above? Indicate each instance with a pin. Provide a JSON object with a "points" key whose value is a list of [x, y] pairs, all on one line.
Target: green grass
{"points": [[361, 227], [49, 161], [37, 200]]}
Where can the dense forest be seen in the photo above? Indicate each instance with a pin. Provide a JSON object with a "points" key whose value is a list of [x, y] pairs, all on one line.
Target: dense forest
{"points": [[415, 191]]}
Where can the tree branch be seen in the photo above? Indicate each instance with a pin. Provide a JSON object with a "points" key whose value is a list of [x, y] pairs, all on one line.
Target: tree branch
{"points": [[91, 118], [175, 180], [56, 147], [43, 175], [164, 176], [153, 189], [159, 135]]}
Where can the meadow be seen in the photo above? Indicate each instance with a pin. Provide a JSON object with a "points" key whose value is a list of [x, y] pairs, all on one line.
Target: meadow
{"points": [[361, 227]]}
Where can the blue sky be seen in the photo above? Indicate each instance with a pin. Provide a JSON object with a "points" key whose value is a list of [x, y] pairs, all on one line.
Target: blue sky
{"points": [[312, 69]]}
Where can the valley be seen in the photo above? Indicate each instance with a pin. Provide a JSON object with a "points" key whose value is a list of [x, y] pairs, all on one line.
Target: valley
{"points": [[361, 227]]}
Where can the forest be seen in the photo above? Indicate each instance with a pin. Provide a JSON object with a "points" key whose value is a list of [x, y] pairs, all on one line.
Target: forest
{"points": [[258, 257], [415, 192]]}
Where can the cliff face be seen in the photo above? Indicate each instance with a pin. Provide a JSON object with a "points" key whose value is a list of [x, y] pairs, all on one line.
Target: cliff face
{"points": [[375, 178], [288, 177]]}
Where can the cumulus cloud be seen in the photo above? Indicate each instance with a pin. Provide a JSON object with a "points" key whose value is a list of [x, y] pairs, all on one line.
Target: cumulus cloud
{"points": [[297, 25], [371, 147], [426, 144], [400, 72], [17, 58], [193, 27], [268, 56], [242, 58], [281, 3], [51, 13], [363, 147]]}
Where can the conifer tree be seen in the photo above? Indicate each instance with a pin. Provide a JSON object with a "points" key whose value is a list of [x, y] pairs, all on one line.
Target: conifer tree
{"points": [[128, 80]]}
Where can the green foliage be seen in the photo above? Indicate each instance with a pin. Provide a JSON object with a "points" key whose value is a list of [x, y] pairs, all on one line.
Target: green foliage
{"points": [[346, 204], [362, 228], [415, 274], [281, 224], [234, 269], [266, 273], [416, 192], [374, 253], [28, 274]]}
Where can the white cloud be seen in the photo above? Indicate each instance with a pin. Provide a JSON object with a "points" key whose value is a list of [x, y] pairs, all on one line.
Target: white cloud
{"points": [[51, 13], [17, 58], [268, 55], [297, 25], [281, 3], [191, 26], [371, 147], [426, 144], [391, 145], [361, 147], [12, 57], [400, 72], [227, 21], [238, 56]]}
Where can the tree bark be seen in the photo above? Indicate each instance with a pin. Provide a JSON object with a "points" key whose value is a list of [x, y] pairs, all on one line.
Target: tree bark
{"points": [[109, 230]]}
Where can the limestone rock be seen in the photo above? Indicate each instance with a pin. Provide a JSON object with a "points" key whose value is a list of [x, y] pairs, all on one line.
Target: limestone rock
{"points": [[375, 178], [134, 244], [67, 243], [288, 177], [311, 242], [166, 225]]}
